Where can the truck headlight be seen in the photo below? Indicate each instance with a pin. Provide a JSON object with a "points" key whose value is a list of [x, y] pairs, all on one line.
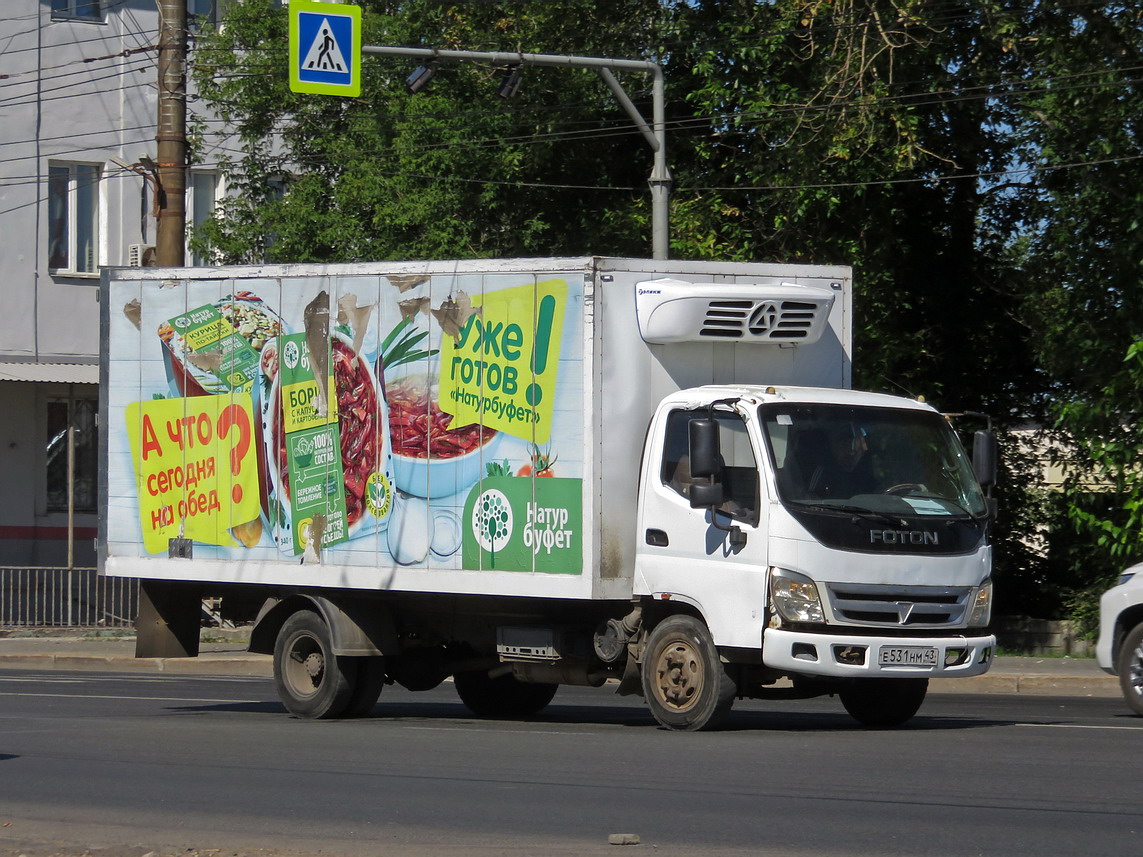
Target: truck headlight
{"points": [[981, 613], [795, 596]]}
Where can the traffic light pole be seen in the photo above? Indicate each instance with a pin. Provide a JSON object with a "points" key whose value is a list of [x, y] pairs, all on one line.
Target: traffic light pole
{"points": [[654, 133]]}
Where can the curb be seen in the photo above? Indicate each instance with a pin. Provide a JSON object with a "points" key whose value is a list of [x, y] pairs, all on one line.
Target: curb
{"points": [[250, 665], [1096, 685], [1039, 685]]}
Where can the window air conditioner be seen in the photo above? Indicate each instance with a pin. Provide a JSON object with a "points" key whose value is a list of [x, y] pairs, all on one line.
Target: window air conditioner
{"points": [[140, 255]]}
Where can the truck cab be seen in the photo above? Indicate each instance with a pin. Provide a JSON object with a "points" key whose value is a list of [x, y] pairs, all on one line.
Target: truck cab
{"points": [[828, 539]]}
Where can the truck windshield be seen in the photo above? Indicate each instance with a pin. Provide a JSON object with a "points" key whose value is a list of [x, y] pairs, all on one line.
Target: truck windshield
{"points": [[875, 460]]}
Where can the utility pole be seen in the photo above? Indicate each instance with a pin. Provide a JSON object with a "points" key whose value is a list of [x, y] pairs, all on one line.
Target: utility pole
{"points": [[168, 624], [170, 242]]}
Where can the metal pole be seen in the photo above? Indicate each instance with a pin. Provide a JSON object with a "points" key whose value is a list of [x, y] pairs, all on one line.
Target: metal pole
{"points": [[655, 133], [70, 479], [70, 495], [170, 239]]}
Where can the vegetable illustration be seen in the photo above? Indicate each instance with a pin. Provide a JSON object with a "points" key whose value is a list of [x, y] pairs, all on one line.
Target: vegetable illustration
{"points": [[400, 346], [541, 463], [498, 468]]}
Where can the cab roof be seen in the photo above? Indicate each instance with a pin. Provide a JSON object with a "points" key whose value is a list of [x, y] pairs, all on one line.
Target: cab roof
{"points": [[759, 394]]}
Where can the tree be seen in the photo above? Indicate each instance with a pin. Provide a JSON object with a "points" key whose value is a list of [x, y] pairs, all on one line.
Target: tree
{"points": [[452, 171], [972, 159], [1086, 257]]}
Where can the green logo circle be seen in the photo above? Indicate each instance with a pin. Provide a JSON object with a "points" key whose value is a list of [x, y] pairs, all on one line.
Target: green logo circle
{"points": [[378, 495]]}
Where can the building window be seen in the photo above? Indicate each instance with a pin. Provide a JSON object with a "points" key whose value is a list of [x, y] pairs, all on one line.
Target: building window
{"points": [[204, 192], [82, 10], [202, 13], [80, 416], [73, 218]]}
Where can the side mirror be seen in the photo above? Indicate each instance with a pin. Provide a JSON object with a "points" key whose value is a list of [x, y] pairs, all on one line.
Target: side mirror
{"points": [[706, 457], [703, 495], [984, 458], [706, 463]]}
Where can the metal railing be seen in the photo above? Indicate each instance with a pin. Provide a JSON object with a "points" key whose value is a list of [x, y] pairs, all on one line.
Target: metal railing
{"points": [[69, 598]]}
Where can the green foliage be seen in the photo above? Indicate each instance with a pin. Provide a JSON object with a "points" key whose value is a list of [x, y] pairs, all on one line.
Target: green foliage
{"points": [[1107, 436], [976, 162], [452, 171], [1086, 257]]}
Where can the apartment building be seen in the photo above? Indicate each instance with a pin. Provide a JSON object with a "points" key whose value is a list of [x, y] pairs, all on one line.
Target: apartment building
{"points": [[78, 107]]}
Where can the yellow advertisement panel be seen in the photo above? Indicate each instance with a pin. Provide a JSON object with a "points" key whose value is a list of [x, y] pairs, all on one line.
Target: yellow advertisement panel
{"points": [[195, 466], [500, 369]]}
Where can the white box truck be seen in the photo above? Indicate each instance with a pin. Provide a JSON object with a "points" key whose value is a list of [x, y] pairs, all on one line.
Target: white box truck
{"points": [[534, 472]]}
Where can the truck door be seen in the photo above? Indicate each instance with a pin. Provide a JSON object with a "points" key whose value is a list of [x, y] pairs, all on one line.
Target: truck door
{"points": [[681, 553]]}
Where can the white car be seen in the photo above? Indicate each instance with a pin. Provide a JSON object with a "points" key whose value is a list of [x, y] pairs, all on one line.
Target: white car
{"points": [[1120, 647]]}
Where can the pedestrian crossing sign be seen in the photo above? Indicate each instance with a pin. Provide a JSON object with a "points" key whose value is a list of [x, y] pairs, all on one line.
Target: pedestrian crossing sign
{"points": [[325, 48]]}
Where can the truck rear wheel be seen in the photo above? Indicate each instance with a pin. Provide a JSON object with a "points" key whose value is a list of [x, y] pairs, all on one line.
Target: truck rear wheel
{"points": [[1130, 667], [881, 703], [369, 679], [686, 685], [312, 681], [503, 696]]}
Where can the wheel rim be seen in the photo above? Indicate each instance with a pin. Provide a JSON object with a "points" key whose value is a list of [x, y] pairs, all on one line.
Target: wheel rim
{"points": [[304, 666], [679, 675], [1135, 672]]}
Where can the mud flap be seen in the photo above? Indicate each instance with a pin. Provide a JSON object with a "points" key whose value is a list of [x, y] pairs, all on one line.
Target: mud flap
{"points": [[630, 684]]}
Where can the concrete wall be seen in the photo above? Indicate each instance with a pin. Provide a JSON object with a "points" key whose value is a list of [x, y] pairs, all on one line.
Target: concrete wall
{"points": [[76, 92], [1024, 635]]}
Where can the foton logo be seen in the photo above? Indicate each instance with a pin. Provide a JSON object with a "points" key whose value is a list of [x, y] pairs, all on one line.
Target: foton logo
{"points": [[903, 537]]}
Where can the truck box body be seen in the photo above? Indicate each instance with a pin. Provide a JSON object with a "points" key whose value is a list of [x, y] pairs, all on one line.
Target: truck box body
{"points": [[545, 361]]}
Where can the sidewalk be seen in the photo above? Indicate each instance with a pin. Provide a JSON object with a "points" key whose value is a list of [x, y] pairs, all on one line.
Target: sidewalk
{"points": [[1043, 676], [117, 654]]}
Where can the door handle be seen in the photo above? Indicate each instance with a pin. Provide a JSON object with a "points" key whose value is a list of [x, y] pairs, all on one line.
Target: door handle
{"points": [[657, 538]]}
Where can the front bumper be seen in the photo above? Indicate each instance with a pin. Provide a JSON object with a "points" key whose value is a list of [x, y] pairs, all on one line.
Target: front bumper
{"points": [[852, 656]]}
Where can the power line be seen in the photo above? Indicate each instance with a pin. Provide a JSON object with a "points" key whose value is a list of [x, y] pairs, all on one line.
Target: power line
{"points": [[126, 52], [705, 122], [96, 27], [1013, 171]]}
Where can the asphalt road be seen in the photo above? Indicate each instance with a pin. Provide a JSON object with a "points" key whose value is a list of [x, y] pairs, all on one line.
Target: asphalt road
{"points": [[123, 765]]}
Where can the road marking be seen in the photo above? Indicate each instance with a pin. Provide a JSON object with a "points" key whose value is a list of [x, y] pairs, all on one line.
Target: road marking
{"points": [[41, 680], [104, 678], [469, 728], [1076, 726], [133, 698]]}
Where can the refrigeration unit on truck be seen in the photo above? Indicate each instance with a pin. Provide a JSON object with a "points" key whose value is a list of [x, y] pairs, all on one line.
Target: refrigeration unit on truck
{"points": [[527, 473]]}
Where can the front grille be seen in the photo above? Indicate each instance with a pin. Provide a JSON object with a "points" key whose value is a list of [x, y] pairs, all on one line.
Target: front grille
{"points": [[899, 606]]}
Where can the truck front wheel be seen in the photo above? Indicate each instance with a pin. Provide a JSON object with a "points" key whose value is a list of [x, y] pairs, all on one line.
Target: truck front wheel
{"points": [[312, 681], [686, 685], [502, 696], [881, 703], [1130, 665]]}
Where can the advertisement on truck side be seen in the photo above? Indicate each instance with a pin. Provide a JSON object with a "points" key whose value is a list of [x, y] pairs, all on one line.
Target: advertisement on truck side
{"points": [[428, 422]]}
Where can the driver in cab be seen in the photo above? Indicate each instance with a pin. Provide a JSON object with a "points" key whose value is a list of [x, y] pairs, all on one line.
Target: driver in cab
{"points": [[845, 471]]}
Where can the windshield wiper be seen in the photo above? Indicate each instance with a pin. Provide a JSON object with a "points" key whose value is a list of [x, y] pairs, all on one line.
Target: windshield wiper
{"points": [[860, 511]]}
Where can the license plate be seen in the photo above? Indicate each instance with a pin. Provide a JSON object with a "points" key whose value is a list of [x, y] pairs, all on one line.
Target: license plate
{"points": [[907, 656]]}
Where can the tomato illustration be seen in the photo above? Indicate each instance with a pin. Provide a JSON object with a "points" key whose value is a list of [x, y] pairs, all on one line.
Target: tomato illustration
{"points": [[541, 464]]}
